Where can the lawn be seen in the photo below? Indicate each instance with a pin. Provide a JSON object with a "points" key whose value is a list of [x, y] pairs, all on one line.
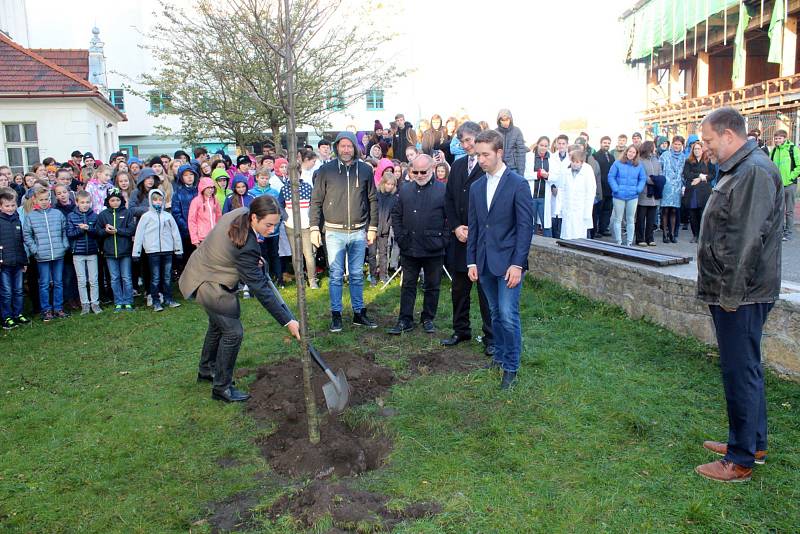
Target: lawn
{"points": [[103, 428]]}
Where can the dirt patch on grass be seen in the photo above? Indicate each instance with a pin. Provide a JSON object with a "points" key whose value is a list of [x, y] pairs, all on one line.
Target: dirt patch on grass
{"points": [[277, 395], [446, 361], [343, 451], [348, 508]]}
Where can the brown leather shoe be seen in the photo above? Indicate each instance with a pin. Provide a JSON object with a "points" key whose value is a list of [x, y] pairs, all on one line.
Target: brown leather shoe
{"points": [[724, 471], [722, 449]]}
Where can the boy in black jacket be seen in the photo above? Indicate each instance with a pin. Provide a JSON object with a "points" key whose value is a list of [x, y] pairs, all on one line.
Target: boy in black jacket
{"points": [[13, 261], [116, 225]]}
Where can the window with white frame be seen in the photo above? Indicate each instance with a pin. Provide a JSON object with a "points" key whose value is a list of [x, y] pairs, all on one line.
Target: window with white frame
{"points": [[117, 97], [21, 142], [375, 100]]}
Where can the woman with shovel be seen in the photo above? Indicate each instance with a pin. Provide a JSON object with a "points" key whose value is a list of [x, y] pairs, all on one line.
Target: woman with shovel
{"points": [[229, 254]]}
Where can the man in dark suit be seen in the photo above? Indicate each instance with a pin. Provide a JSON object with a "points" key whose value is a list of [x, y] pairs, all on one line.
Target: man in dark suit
{"points": [[500, 232], [463, 173]]}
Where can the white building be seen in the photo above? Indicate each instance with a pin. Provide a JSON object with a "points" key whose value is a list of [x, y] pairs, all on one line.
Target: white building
{"points": [[48, 107]]}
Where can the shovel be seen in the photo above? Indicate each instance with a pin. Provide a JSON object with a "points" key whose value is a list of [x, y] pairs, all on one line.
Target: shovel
{"points": [[337, 391]]}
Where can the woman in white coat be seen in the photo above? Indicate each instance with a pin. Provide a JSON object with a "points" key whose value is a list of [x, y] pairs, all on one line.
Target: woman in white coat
{"points": [[577, 190], [537, 173], [559, 169]]}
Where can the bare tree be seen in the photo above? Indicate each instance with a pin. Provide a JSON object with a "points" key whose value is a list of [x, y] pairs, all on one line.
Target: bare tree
{"points": [[313, 55], [197, 80]]}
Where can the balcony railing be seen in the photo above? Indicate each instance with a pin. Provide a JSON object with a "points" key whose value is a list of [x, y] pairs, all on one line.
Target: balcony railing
{"points": [[767, 95]]}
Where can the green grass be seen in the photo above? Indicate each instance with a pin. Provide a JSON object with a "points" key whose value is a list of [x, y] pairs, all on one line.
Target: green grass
{"points": [[103, 429]]}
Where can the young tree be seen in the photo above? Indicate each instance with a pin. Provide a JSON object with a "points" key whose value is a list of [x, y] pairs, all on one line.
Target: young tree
{"points": [[314, 51]]}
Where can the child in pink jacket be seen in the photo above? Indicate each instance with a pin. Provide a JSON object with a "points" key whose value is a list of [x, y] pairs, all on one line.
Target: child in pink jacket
{"points": [[204, 211]]}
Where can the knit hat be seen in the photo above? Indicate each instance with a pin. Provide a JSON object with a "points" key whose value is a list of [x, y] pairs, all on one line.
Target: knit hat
{"points": [[244, 159], [114, 192], [155, 160], [134, 159], [378, 125]]}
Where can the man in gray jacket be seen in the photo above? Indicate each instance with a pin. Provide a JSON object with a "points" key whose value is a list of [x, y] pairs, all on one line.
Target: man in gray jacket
{"points": [[739, 277]]}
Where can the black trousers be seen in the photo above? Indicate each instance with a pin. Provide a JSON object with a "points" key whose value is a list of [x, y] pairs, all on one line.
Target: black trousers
{"points": [[607, 206], [224, 335], [462, 287], [739, 339], [645, 223], [432, 267], [695, 217]]}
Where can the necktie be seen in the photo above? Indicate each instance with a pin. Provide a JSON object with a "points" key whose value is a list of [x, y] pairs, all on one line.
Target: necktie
{"points": [[470, 165]]}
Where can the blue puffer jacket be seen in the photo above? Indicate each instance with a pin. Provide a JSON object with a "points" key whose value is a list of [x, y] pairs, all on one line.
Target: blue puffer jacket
{"points": [[45, 233], [82, 242], [182, 197], [626, 180]]}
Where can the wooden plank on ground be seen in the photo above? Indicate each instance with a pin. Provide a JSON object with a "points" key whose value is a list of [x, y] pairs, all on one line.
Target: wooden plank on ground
{"points": [[637, 255]]}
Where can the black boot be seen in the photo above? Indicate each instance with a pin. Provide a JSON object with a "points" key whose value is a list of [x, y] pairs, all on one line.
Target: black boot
{"points": [[400, 328], [509, 379], [360, 318], [336, 322], [229, 395]]}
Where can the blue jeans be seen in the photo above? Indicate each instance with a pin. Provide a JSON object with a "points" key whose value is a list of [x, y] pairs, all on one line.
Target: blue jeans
{"points": [[51, 271], [506, 327], [160, 275], [538, 216], [10, 292], [739, 339], [628, 209], [121, 281], [354, 246]]}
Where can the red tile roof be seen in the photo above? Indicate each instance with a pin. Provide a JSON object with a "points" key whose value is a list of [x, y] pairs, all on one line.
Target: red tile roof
{"points": [[75, 61], [24, 71]]}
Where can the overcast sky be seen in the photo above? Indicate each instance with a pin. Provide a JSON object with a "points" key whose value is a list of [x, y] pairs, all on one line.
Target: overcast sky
{"points": [[547, 61]]}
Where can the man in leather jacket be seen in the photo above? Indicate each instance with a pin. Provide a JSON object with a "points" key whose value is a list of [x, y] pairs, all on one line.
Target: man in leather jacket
{"points": [[739, 277]]}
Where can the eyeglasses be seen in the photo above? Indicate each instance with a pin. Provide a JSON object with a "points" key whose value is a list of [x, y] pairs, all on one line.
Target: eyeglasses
{"points": [[418, 173]]}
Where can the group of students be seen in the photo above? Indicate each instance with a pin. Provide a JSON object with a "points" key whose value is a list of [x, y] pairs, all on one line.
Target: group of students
{"points": [[79, 230]]}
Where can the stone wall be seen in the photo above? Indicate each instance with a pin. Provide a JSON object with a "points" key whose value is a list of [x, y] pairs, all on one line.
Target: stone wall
{"points": [[663, 295]]}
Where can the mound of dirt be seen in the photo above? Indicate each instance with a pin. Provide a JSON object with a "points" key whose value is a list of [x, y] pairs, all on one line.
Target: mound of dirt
{"points": [[279, 386], [342, 450], [349, 508], [277, 395]]}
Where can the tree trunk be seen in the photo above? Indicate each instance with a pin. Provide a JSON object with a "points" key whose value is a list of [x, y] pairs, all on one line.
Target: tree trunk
{"points": [[276, 132], [297, 256]]}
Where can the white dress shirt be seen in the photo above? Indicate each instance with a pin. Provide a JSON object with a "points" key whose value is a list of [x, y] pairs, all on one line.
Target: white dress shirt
{"points": [[492, 181]]}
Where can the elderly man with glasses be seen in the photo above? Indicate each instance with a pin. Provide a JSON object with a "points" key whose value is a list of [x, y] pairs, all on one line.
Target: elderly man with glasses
{"points": [[419, 225]]}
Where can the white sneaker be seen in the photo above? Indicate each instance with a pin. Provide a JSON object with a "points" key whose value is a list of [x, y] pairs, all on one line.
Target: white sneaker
{"points": [[149, 301], [85, 309], [245, 292], [96, 308]]}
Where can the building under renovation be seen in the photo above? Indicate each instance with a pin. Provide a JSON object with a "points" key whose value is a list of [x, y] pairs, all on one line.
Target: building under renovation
{"points": [[700, 55]]}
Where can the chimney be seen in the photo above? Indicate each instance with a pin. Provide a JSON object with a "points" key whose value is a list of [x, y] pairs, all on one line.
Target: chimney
{"points": [[97, 62]]}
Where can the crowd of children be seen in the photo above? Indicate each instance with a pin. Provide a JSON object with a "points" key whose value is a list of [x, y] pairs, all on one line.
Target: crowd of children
{"points": [[84, 232]]}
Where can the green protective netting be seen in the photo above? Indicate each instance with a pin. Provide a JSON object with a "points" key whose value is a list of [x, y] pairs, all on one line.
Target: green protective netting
{"points": [[667, 21]]}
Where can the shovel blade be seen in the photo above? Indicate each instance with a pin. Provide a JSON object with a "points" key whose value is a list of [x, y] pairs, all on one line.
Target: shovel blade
{"points": [[337, 393]]}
